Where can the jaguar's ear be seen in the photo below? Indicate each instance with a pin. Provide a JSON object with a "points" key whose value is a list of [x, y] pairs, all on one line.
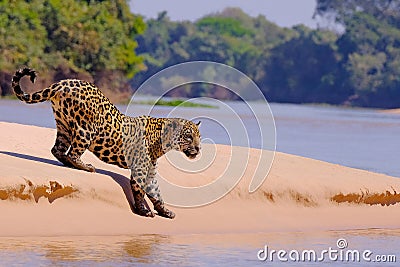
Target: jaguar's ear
{"points": [[198, 124]]}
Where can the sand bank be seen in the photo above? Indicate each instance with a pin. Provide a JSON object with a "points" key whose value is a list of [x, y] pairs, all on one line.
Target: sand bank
{"points": [[40, 197], [391, 111]]}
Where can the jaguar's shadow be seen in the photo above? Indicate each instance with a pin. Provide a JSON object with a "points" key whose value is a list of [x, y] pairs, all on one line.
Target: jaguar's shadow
{"points": [[124, 183], [121, 180], [33, 158]]}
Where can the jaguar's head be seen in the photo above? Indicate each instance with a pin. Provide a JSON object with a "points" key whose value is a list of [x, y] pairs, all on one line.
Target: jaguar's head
{"points": [[189, 139]]}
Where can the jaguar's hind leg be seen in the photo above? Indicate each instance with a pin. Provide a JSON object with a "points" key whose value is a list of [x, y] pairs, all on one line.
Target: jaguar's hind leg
{"points": [[80, 142], [61, 146]]}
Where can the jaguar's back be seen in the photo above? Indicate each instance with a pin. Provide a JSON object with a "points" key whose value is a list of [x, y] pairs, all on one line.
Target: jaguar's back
{"points": [[85, 119]]}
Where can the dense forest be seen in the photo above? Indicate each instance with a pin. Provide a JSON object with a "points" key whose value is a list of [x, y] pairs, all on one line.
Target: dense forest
{"points": [[358, 65], [90, 40]]}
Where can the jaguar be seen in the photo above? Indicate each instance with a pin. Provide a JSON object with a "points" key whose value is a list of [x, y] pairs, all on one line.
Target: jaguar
{"points": [[87, 120]]}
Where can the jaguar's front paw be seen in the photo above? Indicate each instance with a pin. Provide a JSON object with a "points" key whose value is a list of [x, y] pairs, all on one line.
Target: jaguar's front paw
{"points": [[145, 213], [141, 207], [163, 211], [166, 213]]}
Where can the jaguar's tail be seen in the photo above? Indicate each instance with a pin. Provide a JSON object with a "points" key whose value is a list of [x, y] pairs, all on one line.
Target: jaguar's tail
{"points": [[36, 97]]}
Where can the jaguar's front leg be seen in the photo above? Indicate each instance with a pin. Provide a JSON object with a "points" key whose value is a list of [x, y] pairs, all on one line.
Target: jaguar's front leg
{"points": [[153, 192], [139, 172], [141, 207]]}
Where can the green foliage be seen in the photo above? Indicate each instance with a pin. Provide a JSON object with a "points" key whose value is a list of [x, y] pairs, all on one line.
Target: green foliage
{"points": [[304, 69], [359, 67], [105, 41], [371, 50], [98, 36], [88, 36], [231, 37], [223, 26], [177, 102], [341, 10], [22, 35]]}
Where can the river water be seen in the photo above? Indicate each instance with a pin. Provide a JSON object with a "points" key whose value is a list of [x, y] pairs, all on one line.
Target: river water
{"points": [[205, 250], [359, 138]]}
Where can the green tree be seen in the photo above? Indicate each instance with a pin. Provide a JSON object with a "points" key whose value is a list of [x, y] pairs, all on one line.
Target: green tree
{"points": [[340, 10], [93, 40], [231, 37], [223, 26], [98, 36], [160, 45], [22, 35], [305, 69], [371, 50], [360, 66]]}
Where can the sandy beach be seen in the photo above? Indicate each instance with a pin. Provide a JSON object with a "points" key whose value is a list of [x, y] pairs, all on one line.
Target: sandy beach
{"points": [[40, 197], [392, 111]]}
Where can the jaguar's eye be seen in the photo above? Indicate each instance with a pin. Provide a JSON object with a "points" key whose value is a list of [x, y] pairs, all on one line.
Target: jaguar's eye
{"points": [[189, 139]]}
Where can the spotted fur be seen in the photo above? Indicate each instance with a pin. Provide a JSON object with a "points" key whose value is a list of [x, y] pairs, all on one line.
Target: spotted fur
{"points": [[87, 120]]}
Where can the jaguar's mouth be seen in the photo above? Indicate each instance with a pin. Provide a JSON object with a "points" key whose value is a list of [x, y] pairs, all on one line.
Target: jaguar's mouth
{"points": [[190, 153]]}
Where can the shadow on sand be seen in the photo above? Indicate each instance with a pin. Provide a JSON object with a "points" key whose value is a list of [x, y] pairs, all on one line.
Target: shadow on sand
{"points": [[121, 180]]}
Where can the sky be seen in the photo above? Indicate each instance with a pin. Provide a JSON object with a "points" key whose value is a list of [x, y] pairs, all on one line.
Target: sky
{"points": [[285, 13]]}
